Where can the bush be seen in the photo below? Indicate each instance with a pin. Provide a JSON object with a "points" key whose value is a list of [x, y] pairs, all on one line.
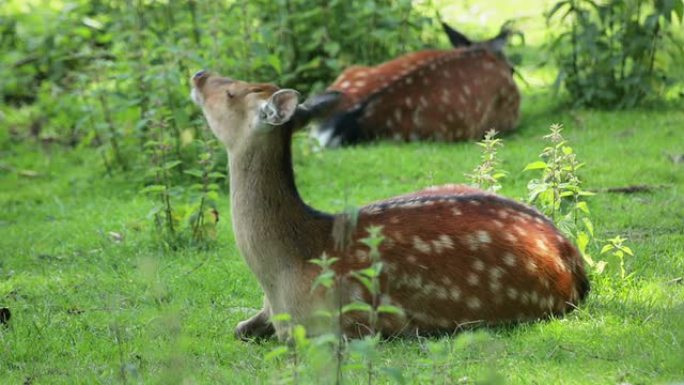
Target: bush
{"points": [[613, 54]]}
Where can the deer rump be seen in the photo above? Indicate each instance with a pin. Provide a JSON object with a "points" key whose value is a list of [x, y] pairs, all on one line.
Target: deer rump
{"points": [[443, 95]]}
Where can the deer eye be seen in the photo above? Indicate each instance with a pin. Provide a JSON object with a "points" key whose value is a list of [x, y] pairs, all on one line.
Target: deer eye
{"points": [[230, 94]]}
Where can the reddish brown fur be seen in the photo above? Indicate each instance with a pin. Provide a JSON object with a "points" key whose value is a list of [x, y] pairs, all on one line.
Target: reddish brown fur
{"points": [[434, 94], [432, 256]]}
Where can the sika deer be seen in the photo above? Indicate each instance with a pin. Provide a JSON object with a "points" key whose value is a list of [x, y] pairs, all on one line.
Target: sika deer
{"points": [[449, 95], [453, 254]]}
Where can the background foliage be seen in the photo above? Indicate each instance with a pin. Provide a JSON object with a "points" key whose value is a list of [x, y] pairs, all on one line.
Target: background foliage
{"points": [[615, 53]]}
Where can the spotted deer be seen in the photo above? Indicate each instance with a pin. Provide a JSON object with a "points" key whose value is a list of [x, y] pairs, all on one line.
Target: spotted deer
{"points": [[453, 255], [444, 95]]}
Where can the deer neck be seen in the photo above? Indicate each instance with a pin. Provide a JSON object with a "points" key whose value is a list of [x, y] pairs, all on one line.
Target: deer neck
{"points": [[274, 229]]}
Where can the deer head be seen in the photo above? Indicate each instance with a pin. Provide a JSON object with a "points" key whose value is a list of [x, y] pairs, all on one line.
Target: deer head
{"points": [[240, 113]]}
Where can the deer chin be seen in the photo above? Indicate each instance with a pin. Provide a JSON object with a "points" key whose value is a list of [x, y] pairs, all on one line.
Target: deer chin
{"points": [[196, 97]]}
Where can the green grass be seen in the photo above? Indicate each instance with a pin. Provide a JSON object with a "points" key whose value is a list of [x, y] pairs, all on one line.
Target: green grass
{"points": [[88, 309], [84, 306]]}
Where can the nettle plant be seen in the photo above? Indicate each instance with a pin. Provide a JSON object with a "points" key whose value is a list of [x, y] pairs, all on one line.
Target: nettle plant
{"points": [[559, 194], [487, 174], [615, 53], [193, 220], [332, 349]]}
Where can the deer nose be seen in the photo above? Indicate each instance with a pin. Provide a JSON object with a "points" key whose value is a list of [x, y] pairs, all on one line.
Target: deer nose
{"points": [[199, 77]]}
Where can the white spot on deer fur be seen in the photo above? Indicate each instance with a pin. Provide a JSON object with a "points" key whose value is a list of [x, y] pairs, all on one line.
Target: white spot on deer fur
{"points": [[471, 242], [455, 211], [512, 293], [433, 66], [474, 303], [416, 281], [345, 84], [509, 259], [473, 279], [461, 99], [498, 223], [420, 245], [441, 292], [360, 83], [388, 123], [444, 322], [455, 293], [494, 286], [551, 302], [510, 237], [520, 231], [441, 243], [443, 127], [425, 81], [394, 220], [542, 245], [397, 115], [361, 255], [411, 259], [475, 202], [428, 289], [409, 102], [524, 298], [539, 220], [450, 117], [409, 81], [531, 265], [446, 280], [466, 89], [495, 273], [446, 74], [445, 96], [484, 237], [534, 297], [423, 101], [478, 265]]}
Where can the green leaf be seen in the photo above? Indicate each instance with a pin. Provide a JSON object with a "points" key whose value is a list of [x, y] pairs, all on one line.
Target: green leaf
{"points": [[275, 353], [171, 164], [582, 206], [357, 306], [194, 172], [627, 250], [588, 225], [600, 266], [536, 165], [389, 309], [154, 188], [299, 335], [582, 241], [607, 248], [274, 61], [281, 317], [395, 374]]}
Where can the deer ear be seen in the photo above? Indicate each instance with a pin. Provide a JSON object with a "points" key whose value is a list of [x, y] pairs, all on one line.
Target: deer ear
{"points": [[279, 108]]}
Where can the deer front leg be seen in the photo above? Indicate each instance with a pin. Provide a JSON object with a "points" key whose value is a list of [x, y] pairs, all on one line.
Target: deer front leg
{"points": [[257, 326]]}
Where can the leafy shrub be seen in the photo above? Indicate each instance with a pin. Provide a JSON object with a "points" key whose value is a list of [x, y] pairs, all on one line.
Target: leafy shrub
{"points": [[613, 54]]}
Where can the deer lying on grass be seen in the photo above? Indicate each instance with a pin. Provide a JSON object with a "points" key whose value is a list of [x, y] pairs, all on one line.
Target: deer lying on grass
{"points": [[448, 95], [453, 254]]}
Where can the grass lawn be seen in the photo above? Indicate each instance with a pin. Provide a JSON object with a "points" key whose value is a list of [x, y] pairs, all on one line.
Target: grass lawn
{"points": [[88, 308]]}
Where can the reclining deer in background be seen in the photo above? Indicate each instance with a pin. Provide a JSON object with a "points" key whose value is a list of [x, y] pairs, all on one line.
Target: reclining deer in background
{"points": [[448, 95], [452, 254]]}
